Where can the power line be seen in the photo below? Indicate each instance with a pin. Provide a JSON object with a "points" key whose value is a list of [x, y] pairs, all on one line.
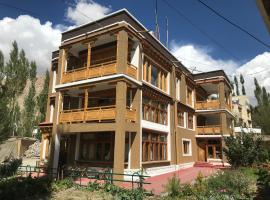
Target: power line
{"points": [[234, 24], [182, 15]]}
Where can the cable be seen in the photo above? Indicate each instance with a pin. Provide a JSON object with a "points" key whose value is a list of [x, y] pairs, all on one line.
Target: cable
{"points": [[199, 29], [234, 24]]}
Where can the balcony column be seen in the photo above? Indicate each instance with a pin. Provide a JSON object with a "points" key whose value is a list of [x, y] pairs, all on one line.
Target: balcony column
{"points": [[224, 125], [119, 140], [183, 89], [89, 52], [122, 52], [85, 101], [221, 91], [136, 136]]}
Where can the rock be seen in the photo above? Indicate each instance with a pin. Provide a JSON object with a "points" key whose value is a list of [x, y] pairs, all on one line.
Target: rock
{"points": [[33, 150]]}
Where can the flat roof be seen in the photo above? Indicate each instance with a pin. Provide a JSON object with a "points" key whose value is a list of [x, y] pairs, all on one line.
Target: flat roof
{"points": [[211, 74]]}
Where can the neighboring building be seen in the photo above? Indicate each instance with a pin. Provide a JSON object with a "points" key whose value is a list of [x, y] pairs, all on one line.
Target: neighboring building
{"points": [[264, 6], [119, 99], [241, 111]]}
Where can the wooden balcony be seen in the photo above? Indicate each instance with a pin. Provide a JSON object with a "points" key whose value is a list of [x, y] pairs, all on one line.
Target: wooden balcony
{"points": [[207, 105], [209, 130], [97, 70], [104, 113]]}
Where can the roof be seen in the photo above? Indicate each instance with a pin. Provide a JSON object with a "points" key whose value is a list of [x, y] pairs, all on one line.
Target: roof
{"points": [[211, 74], [119, 16]]}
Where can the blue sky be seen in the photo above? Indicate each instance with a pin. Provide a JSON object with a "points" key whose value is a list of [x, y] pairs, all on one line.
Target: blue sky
{"points": [[37, 26], [239, 45]]}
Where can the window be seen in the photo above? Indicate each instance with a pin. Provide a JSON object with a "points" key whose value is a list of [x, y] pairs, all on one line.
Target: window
{"points": [[96, 147], [154, 111], [181, 118], [186, 144], [190, 121], [189, 96], [154, 74], [154, 146]]}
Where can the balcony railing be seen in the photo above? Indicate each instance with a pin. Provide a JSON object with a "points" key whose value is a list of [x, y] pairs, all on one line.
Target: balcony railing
{"points": [[207, 105], [98, 70], [209, 130], [103, 113]]}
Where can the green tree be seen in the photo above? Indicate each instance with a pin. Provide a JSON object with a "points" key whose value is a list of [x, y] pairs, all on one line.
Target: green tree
{"points": [[16, 74], [236, 86], [244, 150], [260, 112], [43, 97], [29, 113], [4, 117], [242, 80]]}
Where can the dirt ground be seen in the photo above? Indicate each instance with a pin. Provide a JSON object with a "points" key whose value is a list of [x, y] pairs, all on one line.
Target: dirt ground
{"points": [[75, 194], [29, 161]]}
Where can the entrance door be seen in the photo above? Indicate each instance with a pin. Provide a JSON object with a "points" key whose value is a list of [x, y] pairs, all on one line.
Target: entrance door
{"points": [[211, 151], [201, 153]]}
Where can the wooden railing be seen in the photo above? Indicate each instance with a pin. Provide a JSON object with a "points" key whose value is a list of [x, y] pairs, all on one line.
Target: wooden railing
{"points": [[96, 70], [103, 113], [132, 71], [209, 130], [207, 105], [228, 107]]}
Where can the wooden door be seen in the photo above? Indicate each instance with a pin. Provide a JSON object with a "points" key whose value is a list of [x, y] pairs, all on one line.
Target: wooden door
{"points": [[201, 152]]}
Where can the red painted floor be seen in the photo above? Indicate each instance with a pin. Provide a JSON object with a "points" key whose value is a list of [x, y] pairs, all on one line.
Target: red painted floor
{"points": [[186, 176]]}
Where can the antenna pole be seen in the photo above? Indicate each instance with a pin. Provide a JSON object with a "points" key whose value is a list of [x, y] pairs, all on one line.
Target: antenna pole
{"points": [[156, 16], [167, 32]]}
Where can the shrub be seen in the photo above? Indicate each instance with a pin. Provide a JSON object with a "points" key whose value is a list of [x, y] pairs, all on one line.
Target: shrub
{"points": [[245, 149], [10, 168], [173, 186], [62, 184], [263, 182]]}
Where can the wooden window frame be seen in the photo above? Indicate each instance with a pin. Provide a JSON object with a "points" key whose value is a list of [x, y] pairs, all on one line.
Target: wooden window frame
{"points": [[189, 147]]}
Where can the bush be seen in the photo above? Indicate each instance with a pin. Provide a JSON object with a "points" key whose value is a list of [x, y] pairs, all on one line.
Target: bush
{"points": [[62, 184], [245, 150], [10, 168], [24, 188], [263, 182], [173, 187]]}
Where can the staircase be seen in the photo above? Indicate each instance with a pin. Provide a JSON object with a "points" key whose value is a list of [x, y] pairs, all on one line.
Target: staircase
{"points": [[203, 164]]}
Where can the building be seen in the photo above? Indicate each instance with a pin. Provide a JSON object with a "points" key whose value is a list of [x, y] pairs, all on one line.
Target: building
{"points": [[264, 7], [241, 111], [119, 99]]}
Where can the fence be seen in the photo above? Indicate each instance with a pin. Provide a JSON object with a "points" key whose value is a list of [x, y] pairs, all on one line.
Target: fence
{"points": [[107, 176]]}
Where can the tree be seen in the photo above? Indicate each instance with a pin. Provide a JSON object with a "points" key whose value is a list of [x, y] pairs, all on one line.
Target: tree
{"points": [[242, 80], [260, 112], [4, 117], [244, 150], [43, 97], [236, 86], [16, 73], [29, 113]]}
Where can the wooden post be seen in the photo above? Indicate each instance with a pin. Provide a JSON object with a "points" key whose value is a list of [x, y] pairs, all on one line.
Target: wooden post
{"points": [[85, 101], [88, 55]]}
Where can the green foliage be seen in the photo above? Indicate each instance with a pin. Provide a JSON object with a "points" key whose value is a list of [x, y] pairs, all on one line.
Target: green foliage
{"points": [[42, 98], [92, 186], [10, 168], [244, 150], [263, 183], [62, 184], [260, 113], [29, 112], [236, 86], [173, 186], [24, 188]]}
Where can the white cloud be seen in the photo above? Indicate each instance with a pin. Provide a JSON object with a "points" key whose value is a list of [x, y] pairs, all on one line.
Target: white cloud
{"points": [[199, 56], [38, 40], [86, 11]]}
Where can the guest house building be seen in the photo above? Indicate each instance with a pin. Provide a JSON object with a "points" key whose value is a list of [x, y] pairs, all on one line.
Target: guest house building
{"points": [[119, 99]]}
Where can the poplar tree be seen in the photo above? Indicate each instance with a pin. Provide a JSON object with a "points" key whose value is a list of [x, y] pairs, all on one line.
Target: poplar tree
{"points": [[16, 73], [260, 113], [4, 117], [29, 113], [43, 97], [242, 80], [236, 86]]}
